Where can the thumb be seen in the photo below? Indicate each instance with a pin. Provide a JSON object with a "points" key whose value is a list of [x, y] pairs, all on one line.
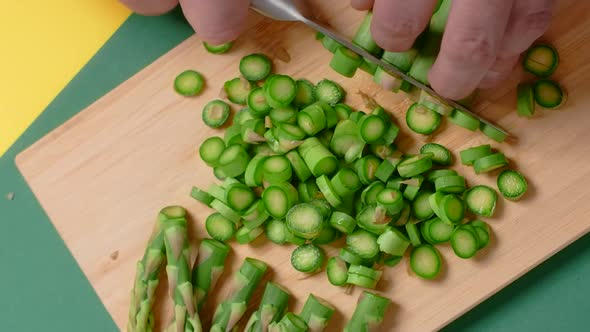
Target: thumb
{"points": [[216, 21]]}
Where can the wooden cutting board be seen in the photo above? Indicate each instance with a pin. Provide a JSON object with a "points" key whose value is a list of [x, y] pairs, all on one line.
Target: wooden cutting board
{"points": [[102, 176]]}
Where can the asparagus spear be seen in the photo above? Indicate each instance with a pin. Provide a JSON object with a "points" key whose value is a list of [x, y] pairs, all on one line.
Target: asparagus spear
{"points": [[230, 311], [369, 313], [178, 269], [289, 323], [208, 268], [272, 306], [316, 312], [148, 269]]}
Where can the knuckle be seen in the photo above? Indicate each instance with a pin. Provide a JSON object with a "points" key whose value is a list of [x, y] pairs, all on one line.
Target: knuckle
{"points": [[472, 46], [537, 21], [406, 26]]}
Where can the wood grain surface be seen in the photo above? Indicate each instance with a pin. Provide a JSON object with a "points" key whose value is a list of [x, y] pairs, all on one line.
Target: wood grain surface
{"points": [[103, 175]]}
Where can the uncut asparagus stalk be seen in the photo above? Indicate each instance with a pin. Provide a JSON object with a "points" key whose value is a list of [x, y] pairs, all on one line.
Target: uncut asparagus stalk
{"points": [[369, 313], [178, 270], [208, 268], [230, 311], [272, 307], [316, 313], [148, 270]]}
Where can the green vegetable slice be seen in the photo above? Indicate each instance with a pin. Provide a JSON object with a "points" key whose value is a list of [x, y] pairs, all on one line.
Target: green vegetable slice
{"points": [[280, 90], [345, 182], [369, 194], [386, 80], [541, 60], [393, 242], [452, 184], [468, 156], [433, 175], [246, 235], [490, 163], [452, 209], [429, 101], [464, 120], [234, 161], [326, 188], [215, 113], [413, 234], [337, 271], [440, 155], [218, 49], [257, 103], [343, 111], [307, 258], [481, 200], [362, 243], [329, 92], [239, 197], [391, 199], [525, 100], [421, 208], [327, 235], [401, 60], [373, 219], [368, 67], [201, 196], [492, 133], [548, 94], [237, 90], [318, 158], [312, 119], [189, 83], [277, 169], [366, 168], [415, 165], [299, 167], [330, 44], [464, 242], [211, 149], [305, 94], [440, 231], [255, 67], [482, 230], [512, 184], [305, 220], [342, 222], [422, 120], [219, 227], [425, 261], [283, 115], [345, 62], [372, 128], [276, 231], [279, 198]]}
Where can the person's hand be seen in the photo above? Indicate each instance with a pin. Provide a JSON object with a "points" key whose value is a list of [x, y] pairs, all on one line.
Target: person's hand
{"points": [[482, 42], [216, 21]]}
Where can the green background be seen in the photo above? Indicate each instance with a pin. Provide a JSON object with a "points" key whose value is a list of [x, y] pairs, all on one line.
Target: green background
{"points": [[42, 288]]}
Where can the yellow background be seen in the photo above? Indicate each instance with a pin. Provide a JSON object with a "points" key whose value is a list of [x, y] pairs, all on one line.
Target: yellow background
{"points": [[44, 44]]}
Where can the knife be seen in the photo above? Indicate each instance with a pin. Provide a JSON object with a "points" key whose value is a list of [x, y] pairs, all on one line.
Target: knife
{"points": [[298, 10]]}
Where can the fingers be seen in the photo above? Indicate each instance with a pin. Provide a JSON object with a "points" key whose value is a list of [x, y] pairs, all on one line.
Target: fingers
{"points": [[361, 4], [150, 7], [397, 23], [216, 21], [528, 21], [471, 42]]}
